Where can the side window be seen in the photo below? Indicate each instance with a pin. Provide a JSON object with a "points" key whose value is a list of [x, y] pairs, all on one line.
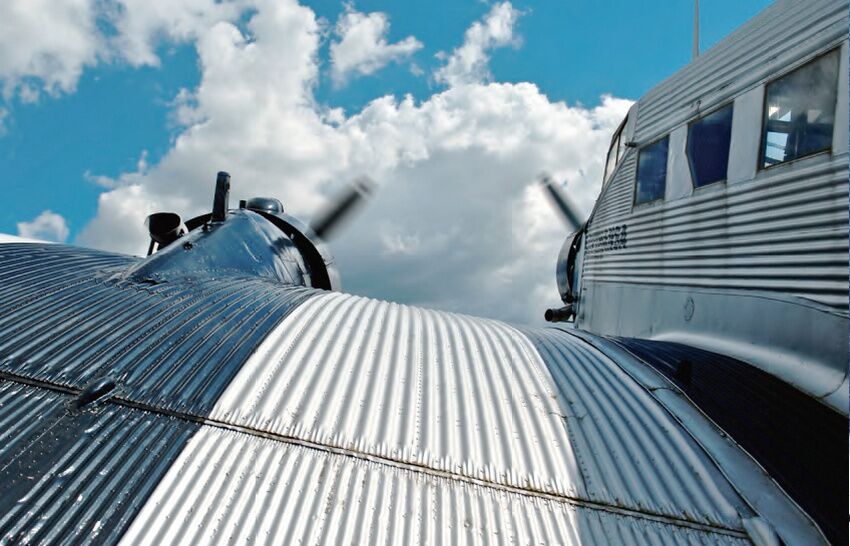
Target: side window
{"points": [[800, 111], [651, 172], [708, 146]]}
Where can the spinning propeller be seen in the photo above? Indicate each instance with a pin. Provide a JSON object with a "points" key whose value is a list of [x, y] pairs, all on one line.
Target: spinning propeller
{"points": [[563, 205], [334, 213]]}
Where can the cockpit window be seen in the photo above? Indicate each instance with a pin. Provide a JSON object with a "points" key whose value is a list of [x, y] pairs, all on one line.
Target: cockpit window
{"points": [[708, 146], [611, 160], [651, 172], [615, 151], [800, 111]]}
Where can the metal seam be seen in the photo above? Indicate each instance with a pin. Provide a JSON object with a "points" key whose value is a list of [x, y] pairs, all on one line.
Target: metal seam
{"points": [[627, 512]]}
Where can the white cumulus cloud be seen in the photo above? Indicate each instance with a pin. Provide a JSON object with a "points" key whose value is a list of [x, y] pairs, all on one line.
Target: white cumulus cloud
{"points": [[46, 44], [468, 63], [362, 47], [459, 223], [47, 226]]}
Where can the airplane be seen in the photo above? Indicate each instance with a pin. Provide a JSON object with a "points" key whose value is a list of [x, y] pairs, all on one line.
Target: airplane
{"points": [[691, 388]]}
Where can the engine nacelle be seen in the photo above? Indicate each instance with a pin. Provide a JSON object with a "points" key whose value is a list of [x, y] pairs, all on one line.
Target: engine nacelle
{"points": [[568, 277], [257, 239]]}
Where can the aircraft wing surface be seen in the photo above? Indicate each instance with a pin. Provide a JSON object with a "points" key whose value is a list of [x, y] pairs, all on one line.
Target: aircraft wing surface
{"points": [[239, 409]]}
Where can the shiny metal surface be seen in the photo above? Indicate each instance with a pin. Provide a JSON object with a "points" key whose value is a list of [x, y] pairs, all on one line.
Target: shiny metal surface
{"points": [[323, 406], [73, 477], [244, 245], [800, 442], [784, 234], [542, 413], [233, 488]]}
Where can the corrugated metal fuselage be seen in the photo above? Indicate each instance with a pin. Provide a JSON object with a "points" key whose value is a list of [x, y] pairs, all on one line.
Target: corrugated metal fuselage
{"points": [[754, 266]]}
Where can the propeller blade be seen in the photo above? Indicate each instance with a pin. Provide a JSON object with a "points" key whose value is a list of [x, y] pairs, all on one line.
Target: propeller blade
{"points": [[331, 216], [564, 205]]}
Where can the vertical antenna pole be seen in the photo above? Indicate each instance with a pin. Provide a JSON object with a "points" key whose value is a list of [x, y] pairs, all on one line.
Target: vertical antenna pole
{"points": [[695, 50]]}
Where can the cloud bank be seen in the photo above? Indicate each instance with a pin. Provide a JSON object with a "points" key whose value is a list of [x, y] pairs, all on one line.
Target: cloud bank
{"points": [[457, 223]]}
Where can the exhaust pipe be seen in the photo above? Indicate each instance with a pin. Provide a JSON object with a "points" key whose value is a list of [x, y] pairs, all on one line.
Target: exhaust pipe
{"points": [[564, 314], [164, 229], [222, 195]]}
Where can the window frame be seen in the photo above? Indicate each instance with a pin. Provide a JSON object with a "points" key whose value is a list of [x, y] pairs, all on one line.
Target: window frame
{"points": [[615, 141], [657, 200], [694, 186], [760, 166]]}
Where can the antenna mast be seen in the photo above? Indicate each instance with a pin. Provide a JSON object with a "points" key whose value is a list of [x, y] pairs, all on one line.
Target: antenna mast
{"points": [[695, 50]]}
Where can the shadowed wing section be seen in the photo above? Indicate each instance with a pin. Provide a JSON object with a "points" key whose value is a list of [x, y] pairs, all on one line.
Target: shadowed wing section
{"points": [[67, 318], [797, 439], [78, 477]]}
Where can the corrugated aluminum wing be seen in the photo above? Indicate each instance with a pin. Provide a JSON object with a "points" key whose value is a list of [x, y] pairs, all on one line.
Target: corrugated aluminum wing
{"points": [[797, 439], [73, 477], [379, 418], [474, 399], [320, 497]]}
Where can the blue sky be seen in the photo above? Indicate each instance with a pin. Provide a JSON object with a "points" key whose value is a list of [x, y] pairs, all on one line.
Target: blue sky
{"points": [[574, 51]]}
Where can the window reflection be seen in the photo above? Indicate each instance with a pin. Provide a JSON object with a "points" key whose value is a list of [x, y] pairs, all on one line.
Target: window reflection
{"points": [[651, 172], [800, 111], [708, 146]]}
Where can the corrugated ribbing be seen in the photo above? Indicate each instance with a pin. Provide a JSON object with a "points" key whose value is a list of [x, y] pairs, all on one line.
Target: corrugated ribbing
{"points": [[74, 477], [615, 199], [450, 392], [357, 420], [232, 488], [66, 318], [630, 447], [785, 233], [473, 398]]}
